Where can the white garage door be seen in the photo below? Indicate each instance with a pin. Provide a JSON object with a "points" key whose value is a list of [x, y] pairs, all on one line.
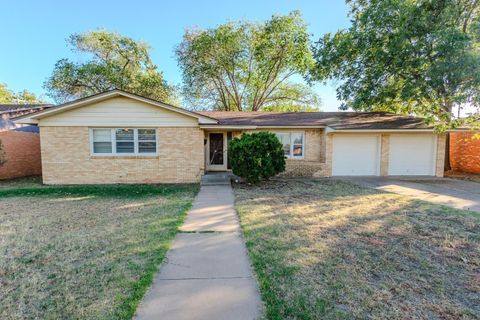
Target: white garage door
{"points": [[356, 155], [412, 154]]}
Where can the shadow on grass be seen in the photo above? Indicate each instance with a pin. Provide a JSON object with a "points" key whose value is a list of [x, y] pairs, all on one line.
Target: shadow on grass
{"points": [[92, 258], [112, 190], [329, 249]]}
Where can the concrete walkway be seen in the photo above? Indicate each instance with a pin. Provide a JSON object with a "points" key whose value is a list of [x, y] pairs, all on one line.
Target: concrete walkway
{"points": [[458, 194], [207, 272]]}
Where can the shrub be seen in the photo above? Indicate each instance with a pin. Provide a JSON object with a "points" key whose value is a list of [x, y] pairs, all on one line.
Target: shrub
{"points": [[257, 156]]}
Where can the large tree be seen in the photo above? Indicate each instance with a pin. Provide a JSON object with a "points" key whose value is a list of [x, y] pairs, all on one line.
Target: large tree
{"points": [[407, 56], [240, 66], [111, 61], [22, 97]]}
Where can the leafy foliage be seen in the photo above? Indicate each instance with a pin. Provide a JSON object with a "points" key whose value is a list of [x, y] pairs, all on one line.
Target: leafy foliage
{"points": [[241, 66], [116, 62], [257, 156], [415, 57], [22, 97]]}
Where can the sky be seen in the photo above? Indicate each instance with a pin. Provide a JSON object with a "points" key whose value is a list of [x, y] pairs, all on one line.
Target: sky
{"points": [[33, 32]]}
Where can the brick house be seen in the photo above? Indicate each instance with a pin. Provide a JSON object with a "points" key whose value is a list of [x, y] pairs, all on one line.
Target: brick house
{"points": [[119, 137]]}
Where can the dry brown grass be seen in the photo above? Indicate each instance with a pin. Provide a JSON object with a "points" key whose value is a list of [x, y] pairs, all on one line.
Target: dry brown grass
{"points": [[329, 249], [83, 256]]}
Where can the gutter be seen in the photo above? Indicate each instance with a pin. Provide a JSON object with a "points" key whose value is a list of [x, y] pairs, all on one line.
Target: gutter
{"points": [[250, 127]]}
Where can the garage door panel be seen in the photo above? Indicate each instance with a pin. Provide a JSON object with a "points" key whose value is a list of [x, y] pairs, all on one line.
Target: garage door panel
{"points": [[356, 155], [412, 154]]}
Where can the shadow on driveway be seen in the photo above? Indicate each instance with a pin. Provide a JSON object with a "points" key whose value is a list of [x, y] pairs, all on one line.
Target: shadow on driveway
{"points": [[457, 194]]}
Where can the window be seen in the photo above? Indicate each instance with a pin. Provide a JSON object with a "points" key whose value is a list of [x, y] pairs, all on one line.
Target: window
{"points": [[292, 144], [124, 141]]}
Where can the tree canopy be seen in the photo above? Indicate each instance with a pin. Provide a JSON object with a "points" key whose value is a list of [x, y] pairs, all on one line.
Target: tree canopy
{"points": [[111, 61], [407, 56], [22, 97], [242, 66]]}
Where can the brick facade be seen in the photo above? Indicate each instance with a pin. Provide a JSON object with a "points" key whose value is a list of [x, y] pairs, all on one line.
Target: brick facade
{"points": [[464, 152], [22, 151], [66, 158]]}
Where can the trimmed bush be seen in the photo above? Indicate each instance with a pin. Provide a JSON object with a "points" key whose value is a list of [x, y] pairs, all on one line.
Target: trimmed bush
{"points": [[257, 156]]}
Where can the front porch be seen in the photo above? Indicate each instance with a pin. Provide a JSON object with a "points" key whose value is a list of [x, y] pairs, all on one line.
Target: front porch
{"points": [[216, 150]]}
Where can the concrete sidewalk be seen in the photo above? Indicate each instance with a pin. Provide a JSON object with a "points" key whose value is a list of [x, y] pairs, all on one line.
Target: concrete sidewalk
{"points": [[207, 273]]}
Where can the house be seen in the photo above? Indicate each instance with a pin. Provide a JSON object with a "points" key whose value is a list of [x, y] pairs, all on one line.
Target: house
{"points": [[9, 111], [119, 137]]}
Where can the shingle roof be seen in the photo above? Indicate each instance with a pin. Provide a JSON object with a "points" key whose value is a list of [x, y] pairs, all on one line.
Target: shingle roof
{"points": [[7, 108], [336, 120]]}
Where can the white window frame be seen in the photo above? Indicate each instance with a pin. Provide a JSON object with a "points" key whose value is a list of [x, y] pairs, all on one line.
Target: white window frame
{"points": [[291, 156], [114, 143]]}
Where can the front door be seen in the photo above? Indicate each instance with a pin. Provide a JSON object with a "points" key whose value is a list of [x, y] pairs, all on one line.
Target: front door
{"points": [[216, 152]]}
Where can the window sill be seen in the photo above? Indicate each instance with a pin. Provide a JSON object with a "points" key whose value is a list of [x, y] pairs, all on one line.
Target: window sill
{"points": [[124, 157]]}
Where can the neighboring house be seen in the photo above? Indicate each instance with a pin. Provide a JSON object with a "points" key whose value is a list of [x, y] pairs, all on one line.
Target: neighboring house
{"points": [[118, 137], [22, 152], [465, 152], [9, 111]]}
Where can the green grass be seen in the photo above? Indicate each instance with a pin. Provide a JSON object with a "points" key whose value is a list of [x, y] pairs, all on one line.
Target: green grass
{"points": [[326, 249], [33, 188], [86, 252]]}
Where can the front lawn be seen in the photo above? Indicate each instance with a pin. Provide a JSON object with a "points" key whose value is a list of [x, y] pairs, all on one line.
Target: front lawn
{"points": [[83, 252], [328, 249]]}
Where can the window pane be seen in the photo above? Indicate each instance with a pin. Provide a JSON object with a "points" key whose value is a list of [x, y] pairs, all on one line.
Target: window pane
{"points": [[297, 150], [124, 134], [297, 138], [102, 147], [147, 147], [146, 134], [103, 135], [125, 147], [285, 140]]}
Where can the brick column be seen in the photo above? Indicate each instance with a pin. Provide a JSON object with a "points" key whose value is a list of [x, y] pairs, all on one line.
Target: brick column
{"points": [[440, 163], [385, 151]]}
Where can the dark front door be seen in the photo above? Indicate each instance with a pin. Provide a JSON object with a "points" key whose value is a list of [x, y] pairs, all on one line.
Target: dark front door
{"points": [[216, 148]]}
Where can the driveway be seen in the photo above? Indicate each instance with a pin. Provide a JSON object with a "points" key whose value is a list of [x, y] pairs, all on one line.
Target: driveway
{"points": [[458, 194]]}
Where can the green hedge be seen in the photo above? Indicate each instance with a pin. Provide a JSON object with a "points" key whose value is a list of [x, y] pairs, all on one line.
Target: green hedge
{"points": [[257, 156]]}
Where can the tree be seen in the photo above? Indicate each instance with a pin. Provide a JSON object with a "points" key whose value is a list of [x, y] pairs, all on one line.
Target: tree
{"points": [[22, 97], [115, 62], [415, 57], [257, 156], [240, 66]]}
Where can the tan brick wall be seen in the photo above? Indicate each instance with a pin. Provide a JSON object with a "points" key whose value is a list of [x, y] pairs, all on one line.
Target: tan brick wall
{"points": [[328, 154], [66, 159], [441, 146], [22, 150]]}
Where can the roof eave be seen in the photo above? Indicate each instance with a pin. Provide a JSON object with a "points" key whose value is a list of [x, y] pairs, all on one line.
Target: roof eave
{"points": [[110, 94], [332, 130]]}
